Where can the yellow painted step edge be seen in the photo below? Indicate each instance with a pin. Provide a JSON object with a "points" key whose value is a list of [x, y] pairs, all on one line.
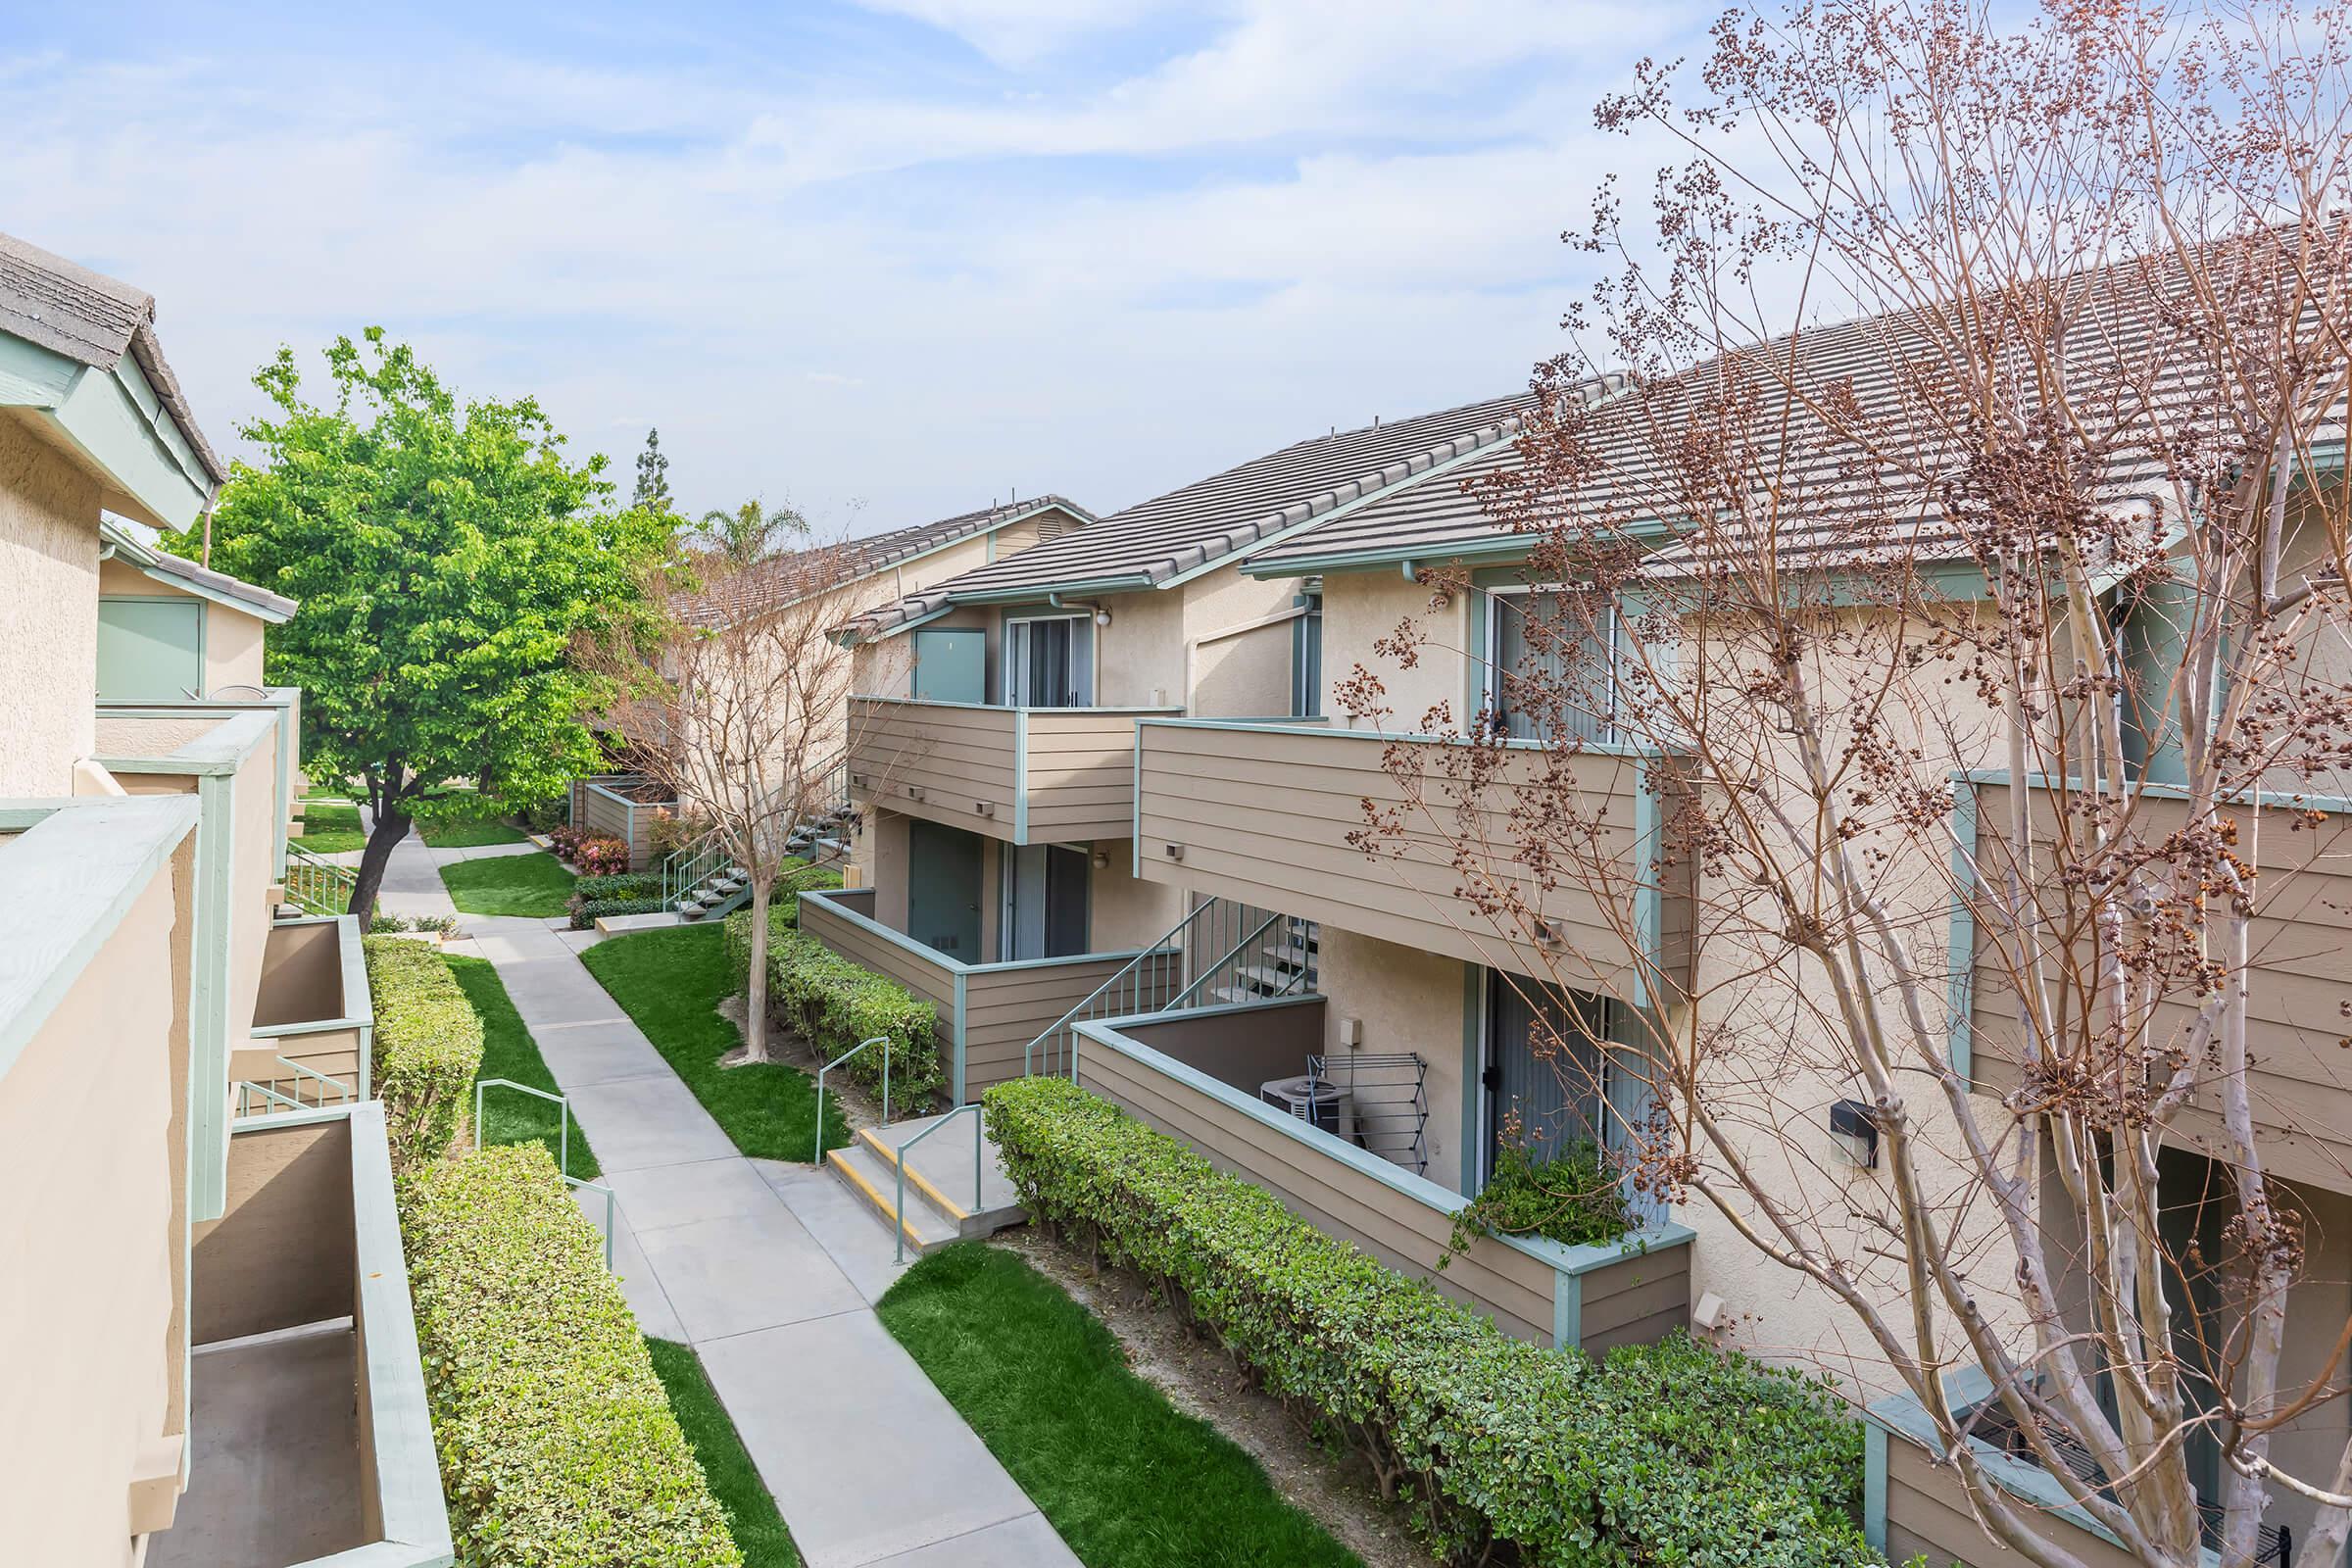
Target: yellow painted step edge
{"points": [[915, 1178], [888, 1205]]}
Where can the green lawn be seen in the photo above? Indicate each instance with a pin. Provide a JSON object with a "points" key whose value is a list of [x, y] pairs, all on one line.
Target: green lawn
{"points": [[534, 884], [752, 1517], [469, 833], [330, 828], [1128, 1480], [670, 980], [509, 1051]]}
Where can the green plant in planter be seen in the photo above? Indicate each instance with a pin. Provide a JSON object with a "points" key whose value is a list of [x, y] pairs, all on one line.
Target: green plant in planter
{"points": [[1573, 1197]]}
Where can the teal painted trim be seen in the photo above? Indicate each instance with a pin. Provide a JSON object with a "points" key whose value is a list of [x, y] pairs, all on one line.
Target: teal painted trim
{"points": [[407, 1471], [1900, 1415], [72, 876], [846, 637], [18, 816], [1020, 775], [957, 1036], [831, 899], [1384, 736], [1135, 813], [1165, 710], [210, 1023], [1567, 1312], [217, 753], [1874, 1485], [1649, 893], [1134, 582], [1473, 1082], [1420, 1188], [2333, 805], [119, 425], [1961, 951], [285, 701], [1221, 1010], [32, 376], [351, 962]]}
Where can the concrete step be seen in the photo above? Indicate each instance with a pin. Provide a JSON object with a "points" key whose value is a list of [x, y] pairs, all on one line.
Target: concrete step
{"points": [[874, 1179], [940, 1170], [1265, 980]]}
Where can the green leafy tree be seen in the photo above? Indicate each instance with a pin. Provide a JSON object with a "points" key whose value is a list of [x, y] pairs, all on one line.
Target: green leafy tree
{"points": [[446, 556], [747, 534], [653, 476]]}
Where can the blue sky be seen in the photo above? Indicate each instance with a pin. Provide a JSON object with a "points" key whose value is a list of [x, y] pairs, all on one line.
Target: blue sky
{"points": [[886, 260]]}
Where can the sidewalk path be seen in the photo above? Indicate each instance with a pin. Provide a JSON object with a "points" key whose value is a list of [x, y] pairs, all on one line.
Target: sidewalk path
{"points": [[769, 1270]]}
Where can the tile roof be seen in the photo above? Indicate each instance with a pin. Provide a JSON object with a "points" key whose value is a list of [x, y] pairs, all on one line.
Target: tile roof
{"points": [[774, 584], [276, 609], [1147, 545], [92, 320], [1847, 511]]}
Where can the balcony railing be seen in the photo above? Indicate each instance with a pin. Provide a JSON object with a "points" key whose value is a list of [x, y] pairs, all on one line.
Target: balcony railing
{"points": [[1197, 1081], [988, 1012], [1025, 776], [1263, 813], [314, 1019], [2299, 1082]]}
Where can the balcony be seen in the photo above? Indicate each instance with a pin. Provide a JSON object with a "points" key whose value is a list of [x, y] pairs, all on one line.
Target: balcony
{"points": [[313, 1020], [311, 1436], [623, 807], [1262, 812], [1023, 775], [2300, 1082], [1196, 1076], [989, 1014]]}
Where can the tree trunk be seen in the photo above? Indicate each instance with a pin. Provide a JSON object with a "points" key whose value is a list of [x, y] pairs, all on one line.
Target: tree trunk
{"points": [[391, 826], [754, 985]]}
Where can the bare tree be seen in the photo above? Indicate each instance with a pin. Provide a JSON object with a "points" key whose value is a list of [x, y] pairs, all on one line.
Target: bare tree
{"points": [[738, 702], [2016, 608]]}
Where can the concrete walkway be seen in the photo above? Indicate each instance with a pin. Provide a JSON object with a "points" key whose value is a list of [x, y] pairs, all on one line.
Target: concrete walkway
{"points": [[769, 1270]]}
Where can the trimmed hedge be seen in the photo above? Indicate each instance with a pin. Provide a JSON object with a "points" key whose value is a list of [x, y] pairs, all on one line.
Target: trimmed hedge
{"points": [[627, 885], [557, 1444], [834, 1003], [1664, 1455], [586, 913], [428, 1046]]}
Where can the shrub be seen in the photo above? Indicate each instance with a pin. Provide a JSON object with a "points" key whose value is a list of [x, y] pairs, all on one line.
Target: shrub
{"points": [[565, 840], [428, 1046], [1573, 1197], [601, 856], [557, 1442], [1664, 1455], [586, 913], [627, 885], [834, 1003]]}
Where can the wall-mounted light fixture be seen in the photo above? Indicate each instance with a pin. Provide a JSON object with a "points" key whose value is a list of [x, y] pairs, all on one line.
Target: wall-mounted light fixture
{"points": [[1102, 617], [1856, 1130]]}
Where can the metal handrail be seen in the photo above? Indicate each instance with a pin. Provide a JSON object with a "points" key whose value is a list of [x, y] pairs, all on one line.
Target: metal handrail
{"points": [[344, 1093], [562, 1121], [1208, 928], [311, 882], [879, 1040], [685, 869], [246, 1089], [581, 1185], [979, 1144]]}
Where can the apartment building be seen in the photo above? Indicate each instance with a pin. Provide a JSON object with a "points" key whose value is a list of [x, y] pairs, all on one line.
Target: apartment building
{"points": [[807, 592], [205, 1319], [993, 742]]}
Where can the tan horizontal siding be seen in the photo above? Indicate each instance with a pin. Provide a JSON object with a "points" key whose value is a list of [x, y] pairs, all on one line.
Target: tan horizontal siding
{"points": [[1081, 778], [1505, 1284], [1927, 1515], [1267, 815], [928, 981], [960, 761], [1636, 1300], [1006, 1009], [2300, 1080]]}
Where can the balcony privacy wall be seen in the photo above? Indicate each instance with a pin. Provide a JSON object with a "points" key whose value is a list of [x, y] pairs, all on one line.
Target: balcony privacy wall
{"points": [[1265, 813], [2301, 1077], [1595, 1297], [988, 1012], [607, 806], [1020, 775]]}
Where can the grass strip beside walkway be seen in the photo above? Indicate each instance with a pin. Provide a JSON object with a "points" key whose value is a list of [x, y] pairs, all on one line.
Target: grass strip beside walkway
{"points": [[671, 981], [470, 833], [752, 1517], [330, 828], [1127, 1479], [510, 1052], [534, 885]]}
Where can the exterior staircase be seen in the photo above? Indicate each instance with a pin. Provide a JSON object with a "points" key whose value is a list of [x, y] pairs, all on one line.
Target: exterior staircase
{"points": [[940, 1197], [704, 883], [1287, 965]]}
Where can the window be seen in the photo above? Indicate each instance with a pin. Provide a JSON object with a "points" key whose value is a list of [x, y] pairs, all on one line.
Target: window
{"points": [[1045, 902], [1050, 662], [1307, 656], [1550, 664], [1546, 1068]]}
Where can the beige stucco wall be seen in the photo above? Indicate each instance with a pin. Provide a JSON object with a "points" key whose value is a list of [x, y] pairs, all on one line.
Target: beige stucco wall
{"points": [[1405, 999], [1231, 674], [1359, 608], [233, 638], [48, 614], [92, 1158], [1124, 910]]}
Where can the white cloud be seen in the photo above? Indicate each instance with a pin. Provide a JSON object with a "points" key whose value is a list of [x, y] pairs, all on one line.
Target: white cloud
{"points": [[1324, 213]]}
